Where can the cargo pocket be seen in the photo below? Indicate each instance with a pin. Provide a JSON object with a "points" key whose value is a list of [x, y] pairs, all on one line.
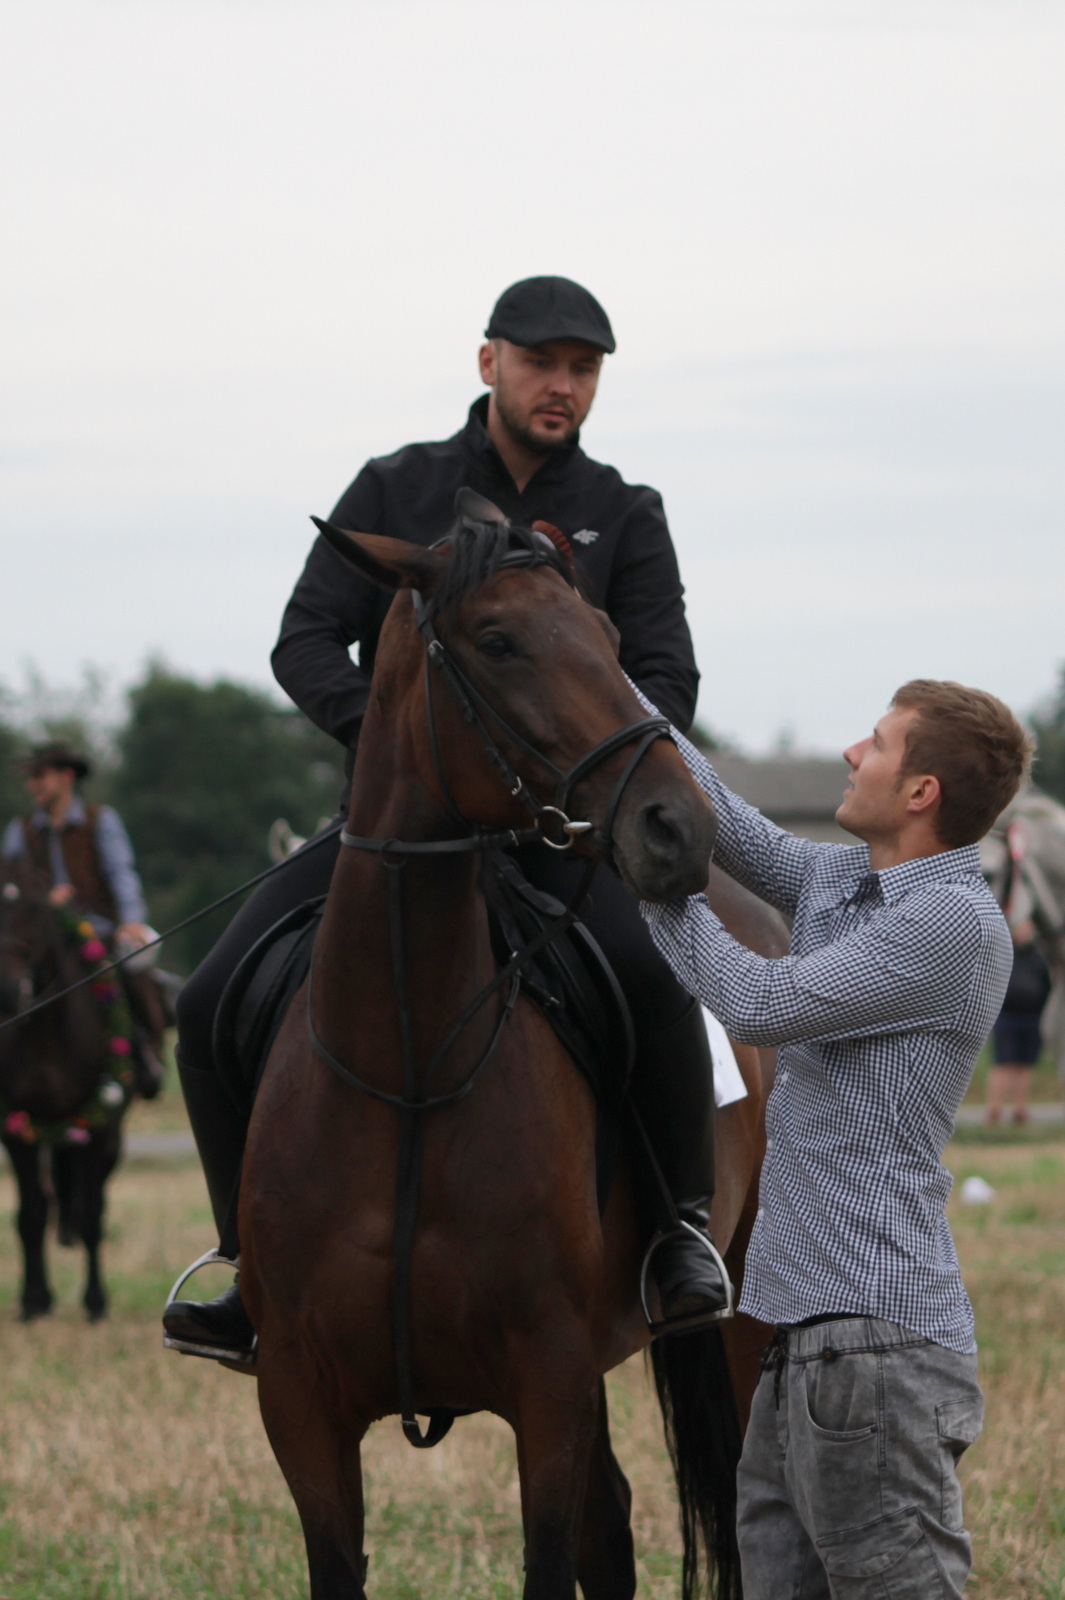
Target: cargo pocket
{"points": [[958, 1423], [890, 1559]]}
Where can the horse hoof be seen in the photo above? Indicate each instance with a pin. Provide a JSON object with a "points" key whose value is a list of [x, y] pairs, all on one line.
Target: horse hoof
{"points": [[31, 1311], [67, 1235], [96, 1313]]}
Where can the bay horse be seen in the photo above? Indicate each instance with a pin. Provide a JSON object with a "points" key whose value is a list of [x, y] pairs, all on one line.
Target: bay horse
{"points": [[66, 1081], [520, 1296]]}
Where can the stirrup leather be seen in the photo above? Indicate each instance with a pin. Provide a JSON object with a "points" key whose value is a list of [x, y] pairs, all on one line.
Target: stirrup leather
{"points": [[701, 1319], [189, 1347]]}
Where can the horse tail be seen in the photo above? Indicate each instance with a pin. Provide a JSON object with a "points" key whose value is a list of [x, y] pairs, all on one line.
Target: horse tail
{"points": [[702, 1430]]}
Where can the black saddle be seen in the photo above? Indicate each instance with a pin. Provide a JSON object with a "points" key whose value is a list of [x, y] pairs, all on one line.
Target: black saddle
{"points": [[570, 980]]}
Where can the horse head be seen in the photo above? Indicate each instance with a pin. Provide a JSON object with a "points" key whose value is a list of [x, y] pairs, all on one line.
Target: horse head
{"points": [[529, 689]]}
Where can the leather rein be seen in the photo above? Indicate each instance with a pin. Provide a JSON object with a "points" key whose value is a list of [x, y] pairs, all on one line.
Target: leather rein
{"points": [[416, 1100]]}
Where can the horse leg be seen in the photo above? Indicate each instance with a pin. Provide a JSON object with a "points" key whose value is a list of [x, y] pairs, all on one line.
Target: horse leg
{"points": [[100, 1159], [319, 1454], [32, 1222], [67, 1230], [555, 1431], [80, 1173], [606, 1564]]}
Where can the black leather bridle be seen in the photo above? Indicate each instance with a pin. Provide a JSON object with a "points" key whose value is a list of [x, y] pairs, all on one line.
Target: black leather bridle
{"points": [[475, 707], [416, 1099]]}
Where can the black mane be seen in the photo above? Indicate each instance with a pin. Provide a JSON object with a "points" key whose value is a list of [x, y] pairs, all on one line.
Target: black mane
{"points": [[479, 549]]}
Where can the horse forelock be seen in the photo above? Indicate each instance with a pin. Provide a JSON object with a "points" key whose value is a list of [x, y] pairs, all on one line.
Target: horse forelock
{"points": [[479, 549]]}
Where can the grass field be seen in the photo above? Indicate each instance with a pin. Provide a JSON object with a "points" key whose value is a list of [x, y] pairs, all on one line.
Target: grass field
{"points": [[127, 1473]]}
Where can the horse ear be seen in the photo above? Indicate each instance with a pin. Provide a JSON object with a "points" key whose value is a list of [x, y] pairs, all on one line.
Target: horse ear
{"points": [[468, 503], [391, 563]]}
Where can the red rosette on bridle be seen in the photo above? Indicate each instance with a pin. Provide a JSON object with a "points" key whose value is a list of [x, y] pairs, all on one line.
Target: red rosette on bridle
{"points": [[558, 539]]}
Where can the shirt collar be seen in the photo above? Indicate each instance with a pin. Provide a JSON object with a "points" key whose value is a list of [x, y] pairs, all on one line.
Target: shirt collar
{"points": [[946, 866], [75, 813]]}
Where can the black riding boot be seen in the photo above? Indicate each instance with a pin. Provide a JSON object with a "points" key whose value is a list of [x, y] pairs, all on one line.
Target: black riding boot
{"points": [[673, 1089], [221, 1327]]}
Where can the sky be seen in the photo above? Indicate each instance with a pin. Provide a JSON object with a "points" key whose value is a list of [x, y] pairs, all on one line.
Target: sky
{"points": [[249, 245]]}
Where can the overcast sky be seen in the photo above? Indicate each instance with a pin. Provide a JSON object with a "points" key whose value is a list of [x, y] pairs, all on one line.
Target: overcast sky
{"points": [[247, 245]]}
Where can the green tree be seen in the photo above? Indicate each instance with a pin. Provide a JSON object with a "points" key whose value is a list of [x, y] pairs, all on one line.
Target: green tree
{"points": [[203, 771], [1048, 726]]}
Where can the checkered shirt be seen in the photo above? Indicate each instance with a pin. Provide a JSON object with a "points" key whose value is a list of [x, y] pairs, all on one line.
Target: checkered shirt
{"points": [[882, 1008]]}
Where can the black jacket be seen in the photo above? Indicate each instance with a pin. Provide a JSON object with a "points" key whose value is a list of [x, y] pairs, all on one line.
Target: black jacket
{"points": [[619, 537]]}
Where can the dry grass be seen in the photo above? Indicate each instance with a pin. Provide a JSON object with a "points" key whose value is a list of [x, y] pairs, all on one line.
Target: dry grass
{"points": [[126, 1472]]}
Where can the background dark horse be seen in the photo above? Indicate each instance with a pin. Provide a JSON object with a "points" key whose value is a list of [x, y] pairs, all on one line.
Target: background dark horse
{"points": [[50, 1067]]}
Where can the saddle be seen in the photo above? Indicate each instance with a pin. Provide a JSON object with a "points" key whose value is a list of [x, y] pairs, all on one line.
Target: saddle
{"points": [[570, 980]]}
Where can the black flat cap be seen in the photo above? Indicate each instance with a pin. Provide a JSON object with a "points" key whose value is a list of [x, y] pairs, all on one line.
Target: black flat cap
{"points": [[537, 310], [57, 753]]}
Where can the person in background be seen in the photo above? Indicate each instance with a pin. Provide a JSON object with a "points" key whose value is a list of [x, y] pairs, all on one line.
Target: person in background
{"points": [[1017, 1034], [85, 853]]}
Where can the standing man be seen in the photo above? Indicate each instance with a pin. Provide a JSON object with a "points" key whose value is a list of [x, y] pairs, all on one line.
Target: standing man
{"points": [[85, 853], [520, 448], [900, 959]]}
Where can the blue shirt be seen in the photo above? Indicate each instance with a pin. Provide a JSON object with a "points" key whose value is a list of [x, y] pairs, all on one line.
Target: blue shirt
{"points": [[113, 847], [882, 1008]]}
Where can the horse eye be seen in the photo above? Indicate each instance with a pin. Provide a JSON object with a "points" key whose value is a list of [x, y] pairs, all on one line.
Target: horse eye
{"points": [[496, 646]]}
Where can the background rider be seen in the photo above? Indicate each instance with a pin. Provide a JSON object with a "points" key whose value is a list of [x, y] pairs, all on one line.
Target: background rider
{"points": [[86, 854]]}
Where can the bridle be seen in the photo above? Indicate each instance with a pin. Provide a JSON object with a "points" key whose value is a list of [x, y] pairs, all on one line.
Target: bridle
{"points": [[472, 704], [415, 1099]]}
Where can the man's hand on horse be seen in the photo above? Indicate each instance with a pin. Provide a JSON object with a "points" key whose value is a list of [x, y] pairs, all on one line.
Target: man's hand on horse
{"points": [[134, 934], [61, 894]]}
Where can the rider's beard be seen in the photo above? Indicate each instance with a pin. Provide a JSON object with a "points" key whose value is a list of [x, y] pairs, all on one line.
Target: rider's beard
{"points": [[523, 435]]}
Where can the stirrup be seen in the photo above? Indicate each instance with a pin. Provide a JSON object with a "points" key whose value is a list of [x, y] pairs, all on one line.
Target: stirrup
{"points": [[701, 1319], [187, 1347]]}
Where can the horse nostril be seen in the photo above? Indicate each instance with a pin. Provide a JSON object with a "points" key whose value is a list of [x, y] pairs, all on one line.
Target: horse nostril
{"points": [[658, 831]]}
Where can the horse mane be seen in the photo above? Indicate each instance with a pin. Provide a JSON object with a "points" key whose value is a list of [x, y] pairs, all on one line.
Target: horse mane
{"points": [[479, 549]]}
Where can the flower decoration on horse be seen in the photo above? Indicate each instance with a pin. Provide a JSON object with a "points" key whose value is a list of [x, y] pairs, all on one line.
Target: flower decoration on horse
{"points": [[114, 1089]]}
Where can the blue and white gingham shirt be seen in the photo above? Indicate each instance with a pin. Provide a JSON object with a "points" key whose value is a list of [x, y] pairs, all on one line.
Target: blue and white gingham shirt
{"points": [[882, 1008]]}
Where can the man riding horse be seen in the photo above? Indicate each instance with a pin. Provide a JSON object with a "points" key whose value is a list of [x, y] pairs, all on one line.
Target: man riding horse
{"points": [[85, 853], [545, 344]]}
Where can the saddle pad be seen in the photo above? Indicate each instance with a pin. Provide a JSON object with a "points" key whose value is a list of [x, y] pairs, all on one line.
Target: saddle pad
{"points": [[571, 980], [257, 997]]}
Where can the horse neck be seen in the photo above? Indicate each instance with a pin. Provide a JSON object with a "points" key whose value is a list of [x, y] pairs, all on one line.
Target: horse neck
{"points": [[447, 955]]}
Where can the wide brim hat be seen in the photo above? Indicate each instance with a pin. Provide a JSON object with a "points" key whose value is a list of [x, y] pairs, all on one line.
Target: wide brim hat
{"points": [[56, 753]]}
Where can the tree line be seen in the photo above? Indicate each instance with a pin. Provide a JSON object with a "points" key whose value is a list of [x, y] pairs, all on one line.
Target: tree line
{"points": [[199, 773]]}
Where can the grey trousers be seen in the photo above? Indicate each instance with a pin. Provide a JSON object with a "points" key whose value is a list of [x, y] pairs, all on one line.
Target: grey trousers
{"points": [[847, 1483]]}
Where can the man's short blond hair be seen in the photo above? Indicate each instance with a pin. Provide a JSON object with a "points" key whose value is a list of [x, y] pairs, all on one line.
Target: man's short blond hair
{"points": [[974, 745]]}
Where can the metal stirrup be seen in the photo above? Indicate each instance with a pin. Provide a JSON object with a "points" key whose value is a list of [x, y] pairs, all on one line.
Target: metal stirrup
{"points": [[190, 1347]]}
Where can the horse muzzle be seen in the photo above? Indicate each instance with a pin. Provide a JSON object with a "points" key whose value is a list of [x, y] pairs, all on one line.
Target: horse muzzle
{"points": [[663, 845]]}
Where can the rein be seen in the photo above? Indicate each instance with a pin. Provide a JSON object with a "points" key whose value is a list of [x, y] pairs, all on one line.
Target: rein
{"points": [[415, 1099]]}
